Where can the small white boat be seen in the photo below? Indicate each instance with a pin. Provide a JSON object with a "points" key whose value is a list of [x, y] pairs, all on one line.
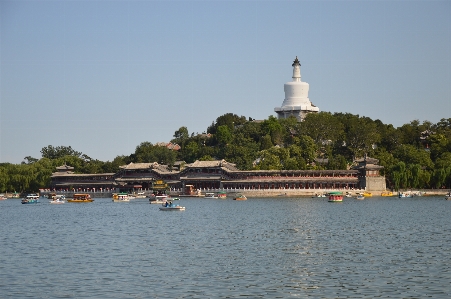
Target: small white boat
{"points": [[170, 206], [319, 195], [2, 197], [448, 196], [121, 197], [162, 198], [58, 199], [404, 195], [31, 198], [360, 196], [141, 195], [210, 195]]}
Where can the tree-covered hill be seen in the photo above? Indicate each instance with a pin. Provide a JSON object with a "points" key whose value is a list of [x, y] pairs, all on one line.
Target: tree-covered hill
{"points": [[415, 155]]}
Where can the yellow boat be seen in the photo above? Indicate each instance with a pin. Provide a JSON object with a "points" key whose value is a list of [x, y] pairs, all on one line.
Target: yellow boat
{"points": [[367, 194], [240, 197], [387, 193], [81, 198]]}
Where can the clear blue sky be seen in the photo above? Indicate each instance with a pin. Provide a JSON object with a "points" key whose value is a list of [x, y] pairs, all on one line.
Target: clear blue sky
{"points": [[104, 76]]}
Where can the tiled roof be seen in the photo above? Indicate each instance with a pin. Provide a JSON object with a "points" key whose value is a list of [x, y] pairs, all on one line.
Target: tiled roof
{"points": [[216, 163]]}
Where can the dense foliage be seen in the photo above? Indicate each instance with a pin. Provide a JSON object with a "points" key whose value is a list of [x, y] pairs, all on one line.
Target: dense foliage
{"points": [[415, 155]]}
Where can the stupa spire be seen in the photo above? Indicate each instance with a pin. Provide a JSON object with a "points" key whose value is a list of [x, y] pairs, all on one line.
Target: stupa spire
{"points": [[296, 70]]}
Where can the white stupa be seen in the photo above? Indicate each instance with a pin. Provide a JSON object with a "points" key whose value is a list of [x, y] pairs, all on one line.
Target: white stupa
{"points": [[296, 100]]}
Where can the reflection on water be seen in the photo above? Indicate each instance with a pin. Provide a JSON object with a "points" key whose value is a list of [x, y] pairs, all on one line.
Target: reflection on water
{"points": [[273, 248]]}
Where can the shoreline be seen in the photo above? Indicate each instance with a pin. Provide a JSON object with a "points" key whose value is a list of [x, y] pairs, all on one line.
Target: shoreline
{"points": [[275, 193]]}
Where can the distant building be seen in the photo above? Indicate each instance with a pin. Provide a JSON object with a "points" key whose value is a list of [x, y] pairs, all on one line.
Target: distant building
{"points": [[369, 174], [220, 174], [296, 102], [169, 145]]}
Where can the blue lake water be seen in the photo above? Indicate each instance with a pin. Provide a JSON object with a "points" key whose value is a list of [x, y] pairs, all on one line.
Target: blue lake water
{"points": [[259, 248]]}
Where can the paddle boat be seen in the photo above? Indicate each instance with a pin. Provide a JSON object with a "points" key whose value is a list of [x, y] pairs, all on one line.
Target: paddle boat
{"points": [[448, 196], [240, 197], [161, 198], [31, 198], [360, 196], [81, 197], [387, 193], [222, 194], [141, 195], [58, 199], [319, 195], [404, 194], [210, 195], [121, 197], [2, 197], [335, 197], [170, 206]]}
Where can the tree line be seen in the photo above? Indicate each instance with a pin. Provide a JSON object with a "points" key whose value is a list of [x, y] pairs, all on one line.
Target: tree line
{"points": [[415, 155]]}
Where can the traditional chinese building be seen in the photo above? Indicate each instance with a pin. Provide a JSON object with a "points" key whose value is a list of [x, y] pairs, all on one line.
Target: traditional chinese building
{"points": [[369, 174], [223, 175], [65, 179]]}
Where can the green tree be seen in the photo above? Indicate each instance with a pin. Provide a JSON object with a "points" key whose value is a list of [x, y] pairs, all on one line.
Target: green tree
{"points": [[180, 136], [4, 179], [337, 162], [361, 135], [439, 177], [308, 148], [269, 160], [400, 176], [322, 127], [229, 119], [51, 152], [190, 152], [266, 142], [411, 155], [273, 128], [223, 135]]}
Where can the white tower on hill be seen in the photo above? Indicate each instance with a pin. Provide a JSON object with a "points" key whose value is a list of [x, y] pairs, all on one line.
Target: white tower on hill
{"points": [[296, 100]]}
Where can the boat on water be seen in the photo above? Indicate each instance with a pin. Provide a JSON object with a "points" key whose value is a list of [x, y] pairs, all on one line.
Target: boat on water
{"points": [[335, 196], [210, 195], [140, 195], [405, 195], [58, 199], [348, 194], [2, 197], [31, 198], [367, 194], [387, 193], [319, 195], [81, 197], [160, 199], [360, 196], [170, 206], [240, 197], [121, 197], [448, 196], [222, 194]]}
